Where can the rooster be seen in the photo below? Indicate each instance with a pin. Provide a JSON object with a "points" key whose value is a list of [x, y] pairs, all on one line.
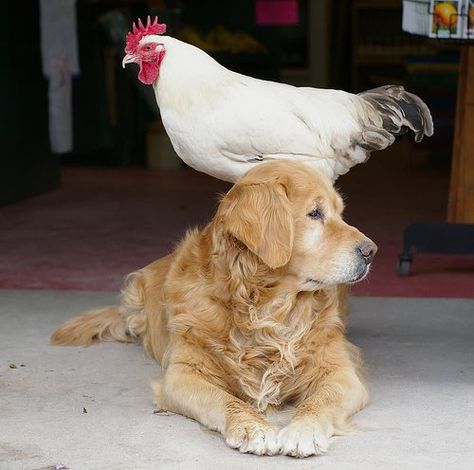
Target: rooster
{"points": [[222, 123]]}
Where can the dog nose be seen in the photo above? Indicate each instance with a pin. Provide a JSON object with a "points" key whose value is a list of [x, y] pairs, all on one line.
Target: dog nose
{"points": [[367, 250]]}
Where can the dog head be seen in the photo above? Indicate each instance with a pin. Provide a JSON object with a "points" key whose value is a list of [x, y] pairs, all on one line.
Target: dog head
{"points": [[290, 217]]}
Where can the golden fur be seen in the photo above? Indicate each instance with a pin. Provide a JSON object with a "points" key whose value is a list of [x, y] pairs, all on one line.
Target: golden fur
{"points": [[248, 314]]}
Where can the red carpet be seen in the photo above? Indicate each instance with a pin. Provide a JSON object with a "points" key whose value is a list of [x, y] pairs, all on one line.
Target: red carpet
{"points": [[104, 223]]}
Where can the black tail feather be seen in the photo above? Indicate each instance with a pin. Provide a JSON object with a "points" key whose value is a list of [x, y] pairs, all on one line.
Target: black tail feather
{"points": [[399, 110]]}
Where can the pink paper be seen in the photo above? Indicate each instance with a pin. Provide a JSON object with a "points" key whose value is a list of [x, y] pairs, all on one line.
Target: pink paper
{"points": [[276, 12]]}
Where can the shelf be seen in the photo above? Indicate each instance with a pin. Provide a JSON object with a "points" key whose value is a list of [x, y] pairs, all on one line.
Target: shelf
{"points": [[378, 4], [383, 60], [378, 41]]}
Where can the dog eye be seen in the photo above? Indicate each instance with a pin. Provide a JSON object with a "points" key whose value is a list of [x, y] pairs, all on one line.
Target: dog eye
{"points": [[316, 214]]}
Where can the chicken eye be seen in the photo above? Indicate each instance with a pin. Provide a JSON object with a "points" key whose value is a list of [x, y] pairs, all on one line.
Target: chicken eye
{"points": [[148, 47], [316, 214]]}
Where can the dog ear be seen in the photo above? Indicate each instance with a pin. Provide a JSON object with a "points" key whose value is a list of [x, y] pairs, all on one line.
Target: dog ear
{"points": [[259, 215]]}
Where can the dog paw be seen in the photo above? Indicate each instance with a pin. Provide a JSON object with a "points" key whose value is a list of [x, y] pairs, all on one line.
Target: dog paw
{"points": [[253, 438], [302, 438]]}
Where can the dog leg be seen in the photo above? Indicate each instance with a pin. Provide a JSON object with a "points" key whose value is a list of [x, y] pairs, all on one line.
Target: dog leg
{"points": [[185, 391], [335, 395]]}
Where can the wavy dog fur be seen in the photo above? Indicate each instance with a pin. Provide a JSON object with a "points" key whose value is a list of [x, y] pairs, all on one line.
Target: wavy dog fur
{"points": [[248, 313]]}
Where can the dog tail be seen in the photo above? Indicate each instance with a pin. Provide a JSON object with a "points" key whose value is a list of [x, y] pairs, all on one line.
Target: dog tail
{"points": [[95, 325], [125, 322]]}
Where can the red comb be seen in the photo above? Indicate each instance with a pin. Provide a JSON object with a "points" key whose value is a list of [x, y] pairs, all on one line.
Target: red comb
{"points": [[137, 34]]}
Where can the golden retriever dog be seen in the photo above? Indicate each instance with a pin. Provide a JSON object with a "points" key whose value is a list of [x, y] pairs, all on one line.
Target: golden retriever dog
{"points": [[247, 314]]}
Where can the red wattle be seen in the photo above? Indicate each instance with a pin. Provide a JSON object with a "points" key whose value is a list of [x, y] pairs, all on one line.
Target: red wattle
{"points": [[148, 72]]}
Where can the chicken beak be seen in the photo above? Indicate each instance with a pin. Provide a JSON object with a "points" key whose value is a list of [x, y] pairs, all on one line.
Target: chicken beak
{"points": [[128, 59]]}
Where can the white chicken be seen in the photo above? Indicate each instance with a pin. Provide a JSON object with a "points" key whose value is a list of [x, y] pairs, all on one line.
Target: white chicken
{"points": [[221, 122]]}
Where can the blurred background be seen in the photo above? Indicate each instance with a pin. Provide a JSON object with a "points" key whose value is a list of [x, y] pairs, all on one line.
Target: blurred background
{"points": [[85, 205]]}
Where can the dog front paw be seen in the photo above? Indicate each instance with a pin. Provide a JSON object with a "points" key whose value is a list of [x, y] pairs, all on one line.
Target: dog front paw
{"points": [[254, 438], [302, 438]]}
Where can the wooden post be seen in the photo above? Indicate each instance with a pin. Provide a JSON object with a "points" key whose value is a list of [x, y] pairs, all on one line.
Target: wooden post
{"points": [[461, 192]]}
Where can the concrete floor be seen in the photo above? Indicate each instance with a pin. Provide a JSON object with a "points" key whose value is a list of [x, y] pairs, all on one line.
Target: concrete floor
{"points": [[419, 357]]}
